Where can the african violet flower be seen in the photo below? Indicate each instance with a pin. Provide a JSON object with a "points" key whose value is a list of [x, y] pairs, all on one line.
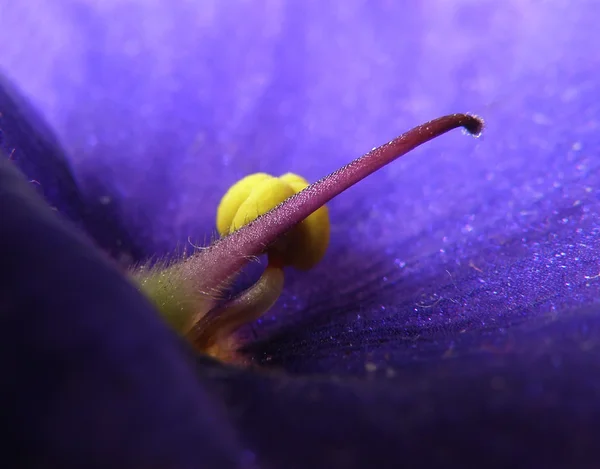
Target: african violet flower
{"points": [[452, 319]]}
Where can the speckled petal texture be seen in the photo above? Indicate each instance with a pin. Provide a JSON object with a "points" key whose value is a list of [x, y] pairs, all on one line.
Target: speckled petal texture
{"points": [[455, 317]]}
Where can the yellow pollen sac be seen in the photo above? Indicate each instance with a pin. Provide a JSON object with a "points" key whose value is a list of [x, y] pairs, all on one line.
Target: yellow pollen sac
{"points": [[305, 245]]}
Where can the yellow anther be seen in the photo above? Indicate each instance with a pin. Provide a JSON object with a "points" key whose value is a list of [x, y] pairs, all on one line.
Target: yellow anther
{"points": [[267, 194], [255, 195], [234, 197]]}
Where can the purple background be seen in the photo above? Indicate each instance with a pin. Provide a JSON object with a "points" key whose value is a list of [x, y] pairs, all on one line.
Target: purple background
{"points": [[470, 266]]}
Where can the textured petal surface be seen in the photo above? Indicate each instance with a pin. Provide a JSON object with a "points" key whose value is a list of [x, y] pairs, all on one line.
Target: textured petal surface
{"points": [[462, 281], [32, 147]]}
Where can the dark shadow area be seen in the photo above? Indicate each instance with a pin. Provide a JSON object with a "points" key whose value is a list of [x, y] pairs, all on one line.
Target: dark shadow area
{"points": [[528, 403]]}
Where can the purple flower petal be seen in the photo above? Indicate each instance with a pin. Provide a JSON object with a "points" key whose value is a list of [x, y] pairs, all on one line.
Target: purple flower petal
{"points": [[32, 147], [92, 377], [461, 282]]}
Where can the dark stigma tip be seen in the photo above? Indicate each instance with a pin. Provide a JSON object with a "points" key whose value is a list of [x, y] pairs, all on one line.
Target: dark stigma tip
{"points": [[473, 124]]}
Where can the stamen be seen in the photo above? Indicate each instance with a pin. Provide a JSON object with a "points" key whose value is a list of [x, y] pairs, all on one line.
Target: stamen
{"points": [[213, 328], [206, 274]]}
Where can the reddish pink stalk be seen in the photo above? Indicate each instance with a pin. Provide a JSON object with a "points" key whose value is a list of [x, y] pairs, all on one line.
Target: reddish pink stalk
{"points": [[213, 266]]}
